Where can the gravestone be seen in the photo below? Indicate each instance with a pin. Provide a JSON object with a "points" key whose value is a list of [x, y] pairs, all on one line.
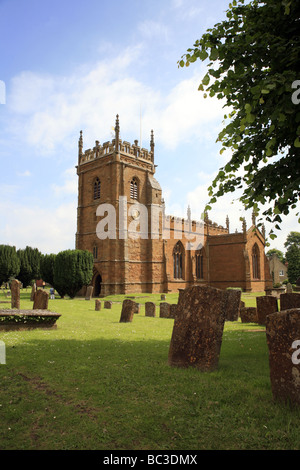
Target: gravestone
{"points": [[97, 305], [265, 305], [283, 339], [33, 291], [15, 293], [198, 328], [248, 315], [41, 299], [233, 305], [150, 309], [128, 309], [164, 310], [107, 304], [89, 292], [288, 301], [163, 297], [289, 288]]}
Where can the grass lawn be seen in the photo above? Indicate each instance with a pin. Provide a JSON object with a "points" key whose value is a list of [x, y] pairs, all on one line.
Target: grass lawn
{"points": [[97, 384]]}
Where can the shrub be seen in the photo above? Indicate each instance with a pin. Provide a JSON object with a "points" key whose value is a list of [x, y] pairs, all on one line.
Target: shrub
{"points": [[73, 269]]}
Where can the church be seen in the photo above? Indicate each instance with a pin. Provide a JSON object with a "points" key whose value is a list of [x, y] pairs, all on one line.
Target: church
{"points": [[138, 248]]}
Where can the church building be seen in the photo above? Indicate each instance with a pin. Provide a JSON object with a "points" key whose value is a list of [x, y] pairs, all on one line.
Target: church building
{"points": [[137, 248]]}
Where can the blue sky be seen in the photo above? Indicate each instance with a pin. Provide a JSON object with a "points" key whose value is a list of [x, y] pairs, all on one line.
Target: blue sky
{"points": [[73, 65]]}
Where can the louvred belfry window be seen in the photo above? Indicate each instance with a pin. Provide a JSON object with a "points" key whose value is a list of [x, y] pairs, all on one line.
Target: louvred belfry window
{"points": [[133, 189], [97, 188]]}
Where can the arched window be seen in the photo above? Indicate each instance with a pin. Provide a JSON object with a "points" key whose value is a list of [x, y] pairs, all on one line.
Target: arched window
{"points": [[255, 262], [199, 265], [97, 187], [134, 189], [178, 261]]}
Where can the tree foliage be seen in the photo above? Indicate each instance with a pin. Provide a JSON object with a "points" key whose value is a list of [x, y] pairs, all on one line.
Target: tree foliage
{"points": [[47, 268], [73, 269], [29, 265], [9, 263], [254, 66], [293, 256]]}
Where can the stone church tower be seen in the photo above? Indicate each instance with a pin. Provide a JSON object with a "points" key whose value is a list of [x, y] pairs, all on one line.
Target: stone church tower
{"points": [[119, 176], [121, 220]]}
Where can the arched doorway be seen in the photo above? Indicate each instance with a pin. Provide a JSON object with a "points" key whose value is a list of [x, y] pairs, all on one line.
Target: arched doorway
{"points": [[97, 285]]}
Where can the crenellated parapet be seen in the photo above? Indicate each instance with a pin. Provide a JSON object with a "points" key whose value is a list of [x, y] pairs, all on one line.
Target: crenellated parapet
{"points": [[116, 146]]}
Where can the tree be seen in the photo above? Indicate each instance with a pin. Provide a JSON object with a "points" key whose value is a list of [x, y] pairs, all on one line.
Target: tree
{"points": [[73, 269], [293, 256], [293, 238], [29, 265], [9, 263], [47, 268], [254, 67]]}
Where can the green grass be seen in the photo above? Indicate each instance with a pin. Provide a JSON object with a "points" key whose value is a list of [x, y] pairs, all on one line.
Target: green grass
{"points": [[97, 384]]}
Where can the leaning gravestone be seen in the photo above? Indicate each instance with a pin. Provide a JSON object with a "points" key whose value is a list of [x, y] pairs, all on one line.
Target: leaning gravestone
{"points": [[248, 315], [150, 308], [283, 339], [97, 305], [15, 293], [164, 310], [107, 304], [288, 301], [265, 305], [89, 292], [128, 309], [198, 328], [233, 305], [41, 299]]}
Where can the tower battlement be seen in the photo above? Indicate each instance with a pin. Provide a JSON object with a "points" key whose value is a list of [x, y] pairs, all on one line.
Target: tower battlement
{"points": [[116, 146]]}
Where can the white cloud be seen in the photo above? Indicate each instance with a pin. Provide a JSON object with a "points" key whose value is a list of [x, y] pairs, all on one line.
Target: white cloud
{"points": [[47, 111], [49, 231]]}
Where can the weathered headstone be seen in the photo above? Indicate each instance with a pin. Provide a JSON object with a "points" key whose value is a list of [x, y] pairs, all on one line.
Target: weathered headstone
{"points": [[289, 288], [33, 291], [232, 305], [97, 305], [107, 304], [248, 315], [265, 305], [150, 309], [128, 309], [288, 301], [164, 310], [41, 299], [89, 292], [283, 339], [15, 293], [198, 328]]}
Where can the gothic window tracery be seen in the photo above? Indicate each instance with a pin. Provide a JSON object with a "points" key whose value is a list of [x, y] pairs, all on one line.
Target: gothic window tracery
{"points": [[255, 262], [178, 261]]}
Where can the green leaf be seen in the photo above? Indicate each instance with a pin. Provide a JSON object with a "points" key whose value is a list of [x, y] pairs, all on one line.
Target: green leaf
{"points": [[297, 142], [206, 80]]}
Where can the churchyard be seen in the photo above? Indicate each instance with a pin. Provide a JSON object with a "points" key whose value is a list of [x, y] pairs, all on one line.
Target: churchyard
{"points": [[98, 383]]}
